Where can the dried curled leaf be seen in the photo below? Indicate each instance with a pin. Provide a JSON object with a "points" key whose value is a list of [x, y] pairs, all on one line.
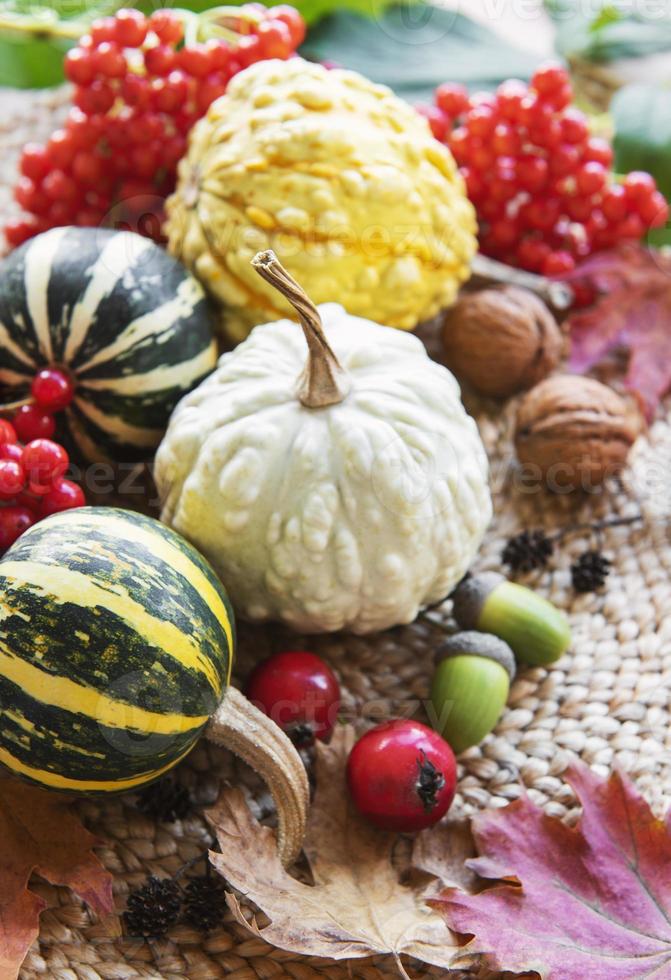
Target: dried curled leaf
{"points": [[591, 901], [633, 312], [40, 832], [356, 906]]}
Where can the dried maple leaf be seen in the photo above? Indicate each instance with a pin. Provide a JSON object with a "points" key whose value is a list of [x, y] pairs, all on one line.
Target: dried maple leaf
{"points": [[591, 901], [356, 907], [39, 832], [632, 313]]}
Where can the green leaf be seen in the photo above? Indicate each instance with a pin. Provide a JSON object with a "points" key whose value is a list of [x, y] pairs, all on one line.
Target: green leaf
{"points": [[31, 64], [642, 118], [413, 48], [615, 31]]}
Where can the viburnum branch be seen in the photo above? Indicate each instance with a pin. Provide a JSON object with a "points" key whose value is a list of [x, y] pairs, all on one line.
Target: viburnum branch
{"points": [[557, 294]]}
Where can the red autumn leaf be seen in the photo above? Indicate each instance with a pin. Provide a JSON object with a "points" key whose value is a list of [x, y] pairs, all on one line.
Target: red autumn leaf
{"points": [[40, 832], [633, 313], [591, 901]]}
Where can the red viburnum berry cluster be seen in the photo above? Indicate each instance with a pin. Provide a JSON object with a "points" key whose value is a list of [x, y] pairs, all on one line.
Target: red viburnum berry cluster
{"points": [[32, 466], [541, 183], [139, 88]]}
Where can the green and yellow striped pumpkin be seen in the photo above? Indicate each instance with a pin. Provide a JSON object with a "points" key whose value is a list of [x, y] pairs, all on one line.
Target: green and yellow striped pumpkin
{"points": [[116, 644], [129, 323]]}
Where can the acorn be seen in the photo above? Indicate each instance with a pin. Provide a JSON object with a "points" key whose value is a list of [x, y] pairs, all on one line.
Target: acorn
{"points": [[470, 686], [534, 628]]}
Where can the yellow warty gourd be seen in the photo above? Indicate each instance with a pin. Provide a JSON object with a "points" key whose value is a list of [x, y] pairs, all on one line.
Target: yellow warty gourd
{"points": [[338, 176]]}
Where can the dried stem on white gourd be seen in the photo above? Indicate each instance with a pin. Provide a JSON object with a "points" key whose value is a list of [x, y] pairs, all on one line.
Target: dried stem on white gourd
{"points": [[323, 381], [239, 726]]}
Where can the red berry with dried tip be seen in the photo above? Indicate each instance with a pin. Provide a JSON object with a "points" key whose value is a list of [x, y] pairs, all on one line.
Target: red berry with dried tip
{"points": [[299, 692], [402, 776]]}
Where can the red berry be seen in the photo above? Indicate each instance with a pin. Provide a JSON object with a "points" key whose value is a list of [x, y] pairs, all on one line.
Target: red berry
{"points": [[402, 776], [531, 253], [458, 141], [43, 462], [574, 124], [614, 203], [298, 691], [12, 478], [7, 432], [58, 186], [136, 91], [160, 60], [13, 522], [598, 150], [631, 228], [210, 89], [591, 177], [292, 18], [436, 119], [561, 98], [481, 121], [79, 66], [475, 186], [532, 173], [52, 389], [249, 50], [130, 28], [506, 141], [32, 422], [510, 96], [11, 450], [195, 60], [452, 99], [639, 186], [558, 264], [19, 230], [504, 232], [30, 196], [655, 211], [220, 54], [549, 78], [103, 29], [34, 161], [275, 39], [109, 60], [564, 159], [63, 495], [60, 149], [167, 26], [169, 94], [98, 97], [579, 208]]}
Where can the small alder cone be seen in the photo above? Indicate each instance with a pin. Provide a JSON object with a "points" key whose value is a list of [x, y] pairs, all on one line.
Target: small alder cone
{"points": [[501, 341], [575, 430]]}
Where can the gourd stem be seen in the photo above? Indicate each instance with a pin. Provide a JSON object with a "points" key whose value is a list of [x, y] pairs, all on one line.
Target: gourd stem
{"points": [[323, 381], [242, 728]]}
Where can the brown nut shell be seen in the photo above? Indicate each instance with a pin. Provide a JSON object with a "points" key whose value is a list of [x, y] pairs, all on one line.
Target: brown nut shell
{"points": [[501, 341], [576, 431]]}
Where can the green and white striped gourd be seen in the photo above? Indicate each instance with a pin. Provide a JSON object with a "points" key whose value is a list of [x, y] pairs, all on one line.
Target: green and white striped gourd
{"points": [[128, 322], [116, 646]]}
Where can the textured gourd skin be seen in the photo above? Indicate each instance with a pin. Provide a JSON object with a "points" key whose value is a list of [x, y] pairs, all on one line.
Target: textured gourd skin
{"points": [[351, 516], [338, 176], [116, 643]]}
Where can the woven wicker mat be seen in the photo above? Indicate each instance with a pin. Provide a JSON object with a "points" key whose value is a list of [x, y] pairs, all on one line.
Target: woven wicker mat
{"points": [[607, 701]]}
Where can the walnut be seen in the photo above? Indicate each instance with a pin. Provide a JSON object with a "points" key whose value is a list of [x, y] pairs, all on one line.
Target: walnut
{"points": [[501, 341], [575, 430]]}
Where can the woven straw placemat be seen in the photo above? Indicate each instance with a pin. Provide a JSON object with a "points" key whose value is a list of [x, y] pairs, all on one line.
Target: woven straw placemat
{"points": [[606, 701]]}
